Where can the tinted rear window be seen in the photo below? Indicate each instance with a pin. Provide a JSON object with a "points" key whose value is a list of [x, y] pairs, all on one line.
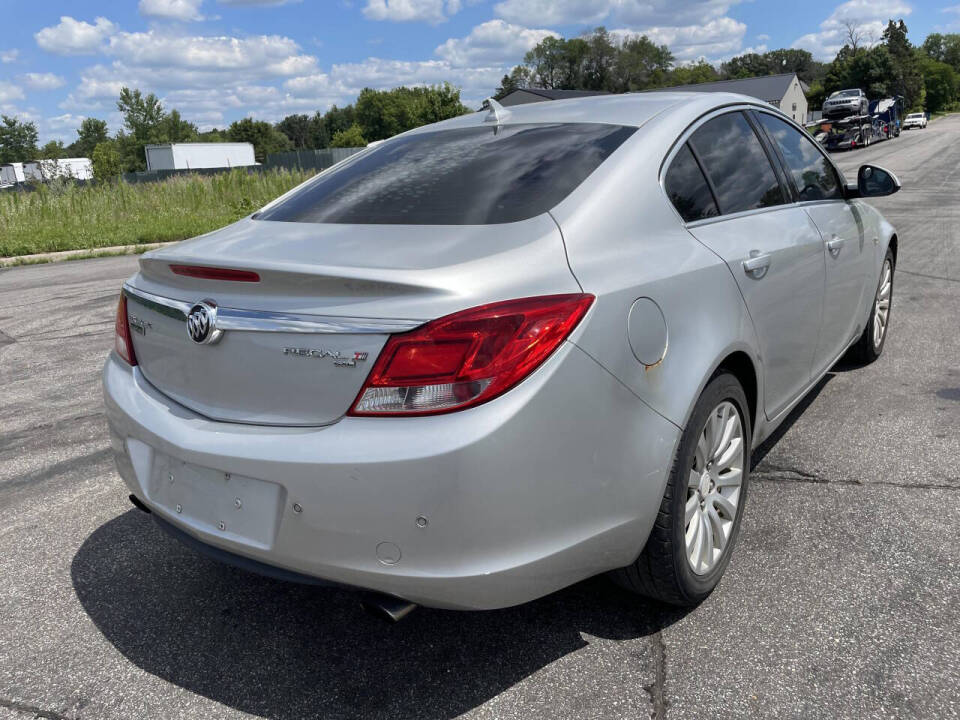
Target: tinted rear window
{"points": [[737, 164], [469, 176]]}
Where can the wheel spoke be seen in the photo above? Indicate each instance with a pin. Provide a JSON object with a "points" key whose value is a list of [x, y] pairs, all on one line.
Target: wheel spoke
{"points": [[693, 502], [729, 478], [693, 482], [724, 505], [706, 547], [734, 451], [719, 531]]}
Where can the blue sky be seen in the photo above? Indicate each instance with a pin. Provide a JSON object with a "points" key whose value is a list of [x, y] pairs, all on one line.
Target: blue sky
{"points": [[220, 60]]}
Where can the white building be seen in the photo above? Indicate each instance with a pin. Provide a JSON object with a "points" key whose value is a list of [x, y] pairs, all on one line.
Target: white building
{"points": [[193, 156]]}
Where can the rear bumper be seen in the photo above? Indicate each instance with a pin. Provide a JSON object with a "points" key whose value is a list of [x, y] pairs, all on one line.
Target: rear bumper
{"points": [[555, 481]]}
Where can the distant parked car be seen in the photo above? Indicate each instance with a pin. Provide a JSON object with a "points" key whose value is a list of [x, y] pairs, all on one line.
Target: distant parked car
{"points": [[915, 120], [846, 102]]}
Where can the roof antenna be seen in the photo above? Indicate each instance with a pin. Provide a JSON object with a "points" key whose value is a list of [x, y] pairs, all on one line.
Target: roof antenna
{"points": [[498, 113]]}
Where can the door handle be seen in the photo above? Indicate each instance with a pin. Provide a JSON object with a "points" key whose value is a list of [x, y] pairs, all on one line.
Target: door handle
{"points": [[757, 264], [835, 245]]}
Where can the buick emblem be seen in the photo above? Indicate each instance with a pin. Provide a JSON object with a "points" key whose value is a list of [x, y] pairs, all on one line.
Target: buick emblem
{"points": [[202, 323]]}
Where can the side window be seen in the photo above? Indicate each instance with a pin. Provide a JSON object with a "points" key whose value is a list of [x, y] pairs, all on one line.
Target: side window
{"points": [[813, 174], [688, 189], [737, 164]]}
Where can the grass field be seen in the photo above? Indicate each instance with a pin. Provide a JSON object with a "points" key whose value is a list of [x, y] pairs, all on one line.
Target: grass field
{"points": [[70, 217]]}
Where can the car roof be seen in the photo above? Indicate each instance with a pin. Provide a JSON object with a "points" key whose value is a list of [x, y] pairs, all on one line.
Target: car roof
{"points": [[630, 109]]}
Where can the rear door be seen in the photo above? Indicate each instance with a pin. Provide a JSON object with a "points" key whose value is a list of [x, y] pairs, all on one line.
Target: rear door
{"points": [[848, 263], [770, 245]]}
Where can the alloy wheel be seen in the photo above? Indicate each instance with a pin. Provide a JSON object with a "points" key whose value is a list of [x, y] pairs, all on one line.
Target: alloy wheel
{"points": [[881, 306], [713, 488]]}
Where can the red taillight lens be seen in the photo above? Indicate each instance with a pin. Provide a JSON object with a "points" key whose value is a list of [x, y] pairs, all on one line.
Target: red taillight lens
{"points": [[468, 358], [215, 273], [122, 341]]}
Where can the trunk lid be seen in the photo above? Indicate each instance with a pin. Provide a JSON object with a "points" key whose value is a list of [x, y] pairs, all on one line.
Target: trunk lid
{"points": [[296, 347]]}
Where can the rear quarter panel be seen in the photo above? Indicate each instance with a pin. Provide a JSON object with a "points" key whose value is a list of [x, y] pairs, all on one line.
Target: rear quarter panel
{"points": [[625, 241]]}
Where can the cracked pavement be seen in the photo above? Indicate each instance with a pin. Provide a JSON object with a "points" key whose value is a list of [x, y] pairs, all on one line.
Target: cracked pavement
{"points": [[840, 601]]}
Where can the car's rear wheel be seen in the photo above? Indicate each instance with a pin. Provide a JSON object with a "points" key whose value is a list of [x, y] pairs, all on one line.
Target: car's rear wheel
{"points": [[699, 518], [870, 345]]}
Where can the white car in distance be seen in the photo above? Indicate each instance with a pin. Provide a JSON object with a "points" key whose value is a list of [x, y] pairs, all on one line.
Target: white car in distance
{"points": [[915, 120]]}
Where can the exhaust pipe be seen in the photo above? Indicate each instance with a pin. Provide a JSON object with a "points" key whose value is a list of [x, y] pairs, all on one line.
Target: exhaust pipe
{"points": [[139, 505], [386, 607]]}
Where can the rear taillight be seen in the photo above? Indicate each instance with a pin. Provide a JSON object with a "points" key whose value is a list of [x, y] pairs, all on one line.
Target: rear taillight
{"points": [[468, 358], [122, 341]]}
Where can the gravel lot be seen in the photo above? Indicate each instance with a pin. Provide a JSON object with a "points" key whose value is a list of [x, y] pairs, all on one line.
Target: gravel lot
{"points": [[842, 600]]}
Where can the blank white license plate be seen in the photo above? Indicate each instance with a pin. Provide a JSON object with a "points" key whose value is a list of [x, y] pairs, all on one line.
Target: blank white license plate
{"points": [[235, 507]]}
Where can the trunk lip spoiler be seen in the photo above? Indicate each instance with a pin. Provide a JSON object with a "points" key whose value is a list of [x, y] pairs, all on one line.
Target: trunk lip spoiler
{"points": [[272, 321]]}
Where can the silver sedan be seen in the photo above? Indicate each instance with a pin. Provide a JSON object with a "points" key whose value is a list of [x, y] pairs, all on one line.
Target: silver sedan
{"points": [[494, 356]]}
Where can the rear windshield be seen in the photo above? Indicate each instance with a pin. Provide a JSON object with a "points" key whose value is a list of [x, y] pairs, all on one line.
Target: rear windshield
{"points": [[469, 176]]}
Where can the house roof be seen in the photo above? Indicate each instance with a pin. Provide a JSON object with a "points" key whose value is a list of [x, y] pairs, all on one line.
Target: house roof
{"points": [[549, 94], [768, 88]]}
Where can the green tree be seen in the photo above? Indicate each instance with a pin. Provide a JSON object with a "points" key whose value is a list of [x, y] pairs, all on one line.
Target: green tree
{"points": [[264, 137], [53, 150], [385, 113], [297, 130], [174, 129], [941, 84], [91, 133], [143, 117], [548, 62], [600, 61], [519, 77], [18, 140], [351, 137], [906, 79], [700, 72], [107, 161], [642, 64]]}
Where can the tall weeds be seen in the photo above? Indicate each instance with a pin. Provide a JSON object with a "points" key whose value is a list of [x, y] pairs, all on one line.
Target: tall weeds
{"points": [[64, 216]]}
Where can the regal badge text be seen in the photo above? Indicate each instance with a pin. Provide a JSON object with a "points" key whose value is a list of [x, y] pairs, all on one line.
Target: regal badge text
{"points": [[339, 359]]}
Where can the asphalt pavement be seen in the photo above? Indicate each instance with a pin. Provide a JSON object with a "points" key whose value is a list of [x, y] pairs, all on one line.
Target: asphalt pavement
{"points": [[842, 599]]}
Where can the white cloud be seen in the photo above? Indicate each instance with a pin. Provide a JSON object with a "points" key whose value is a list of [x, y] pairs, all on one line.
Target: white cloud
{"points": [[75, 37], [493, 43], [869, 16], [9, 91], [628, 12], [712, 40], [252, 3], [184, 10], [257, 56], [9, 56], [42, 81], [431, 11]]}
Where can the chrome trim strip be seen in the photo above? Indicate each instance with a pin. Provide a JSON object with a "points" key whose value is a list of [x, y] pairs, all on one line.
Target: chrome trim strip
{"points": [[268, 321]]}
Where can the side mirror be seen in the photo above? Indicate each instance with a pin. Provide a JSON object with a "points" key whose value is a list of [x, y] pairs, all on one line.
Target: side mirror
{"points": [[873, 181]]}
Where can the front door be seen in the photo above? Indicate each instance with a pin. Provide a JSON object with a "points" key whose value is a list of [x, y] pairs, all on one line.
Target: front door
{"points": [[819, 189]]}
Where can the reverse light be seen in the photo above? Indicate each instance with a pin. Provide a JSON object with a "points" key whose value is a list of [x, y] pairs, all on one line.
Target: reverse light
{"points": [[122, 342], [468, 358]]}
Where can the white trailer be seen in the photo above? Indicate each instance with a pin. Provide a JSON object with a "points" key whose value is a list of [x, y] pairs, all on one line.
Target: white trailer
{"points": [[11, 174], [192, 156], [44, 170]]}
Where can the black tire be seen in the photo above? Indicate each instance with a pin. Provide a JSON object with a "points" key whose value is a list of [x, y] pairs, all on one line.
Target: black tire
{"points": [[865, 350], [662, 570]]}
